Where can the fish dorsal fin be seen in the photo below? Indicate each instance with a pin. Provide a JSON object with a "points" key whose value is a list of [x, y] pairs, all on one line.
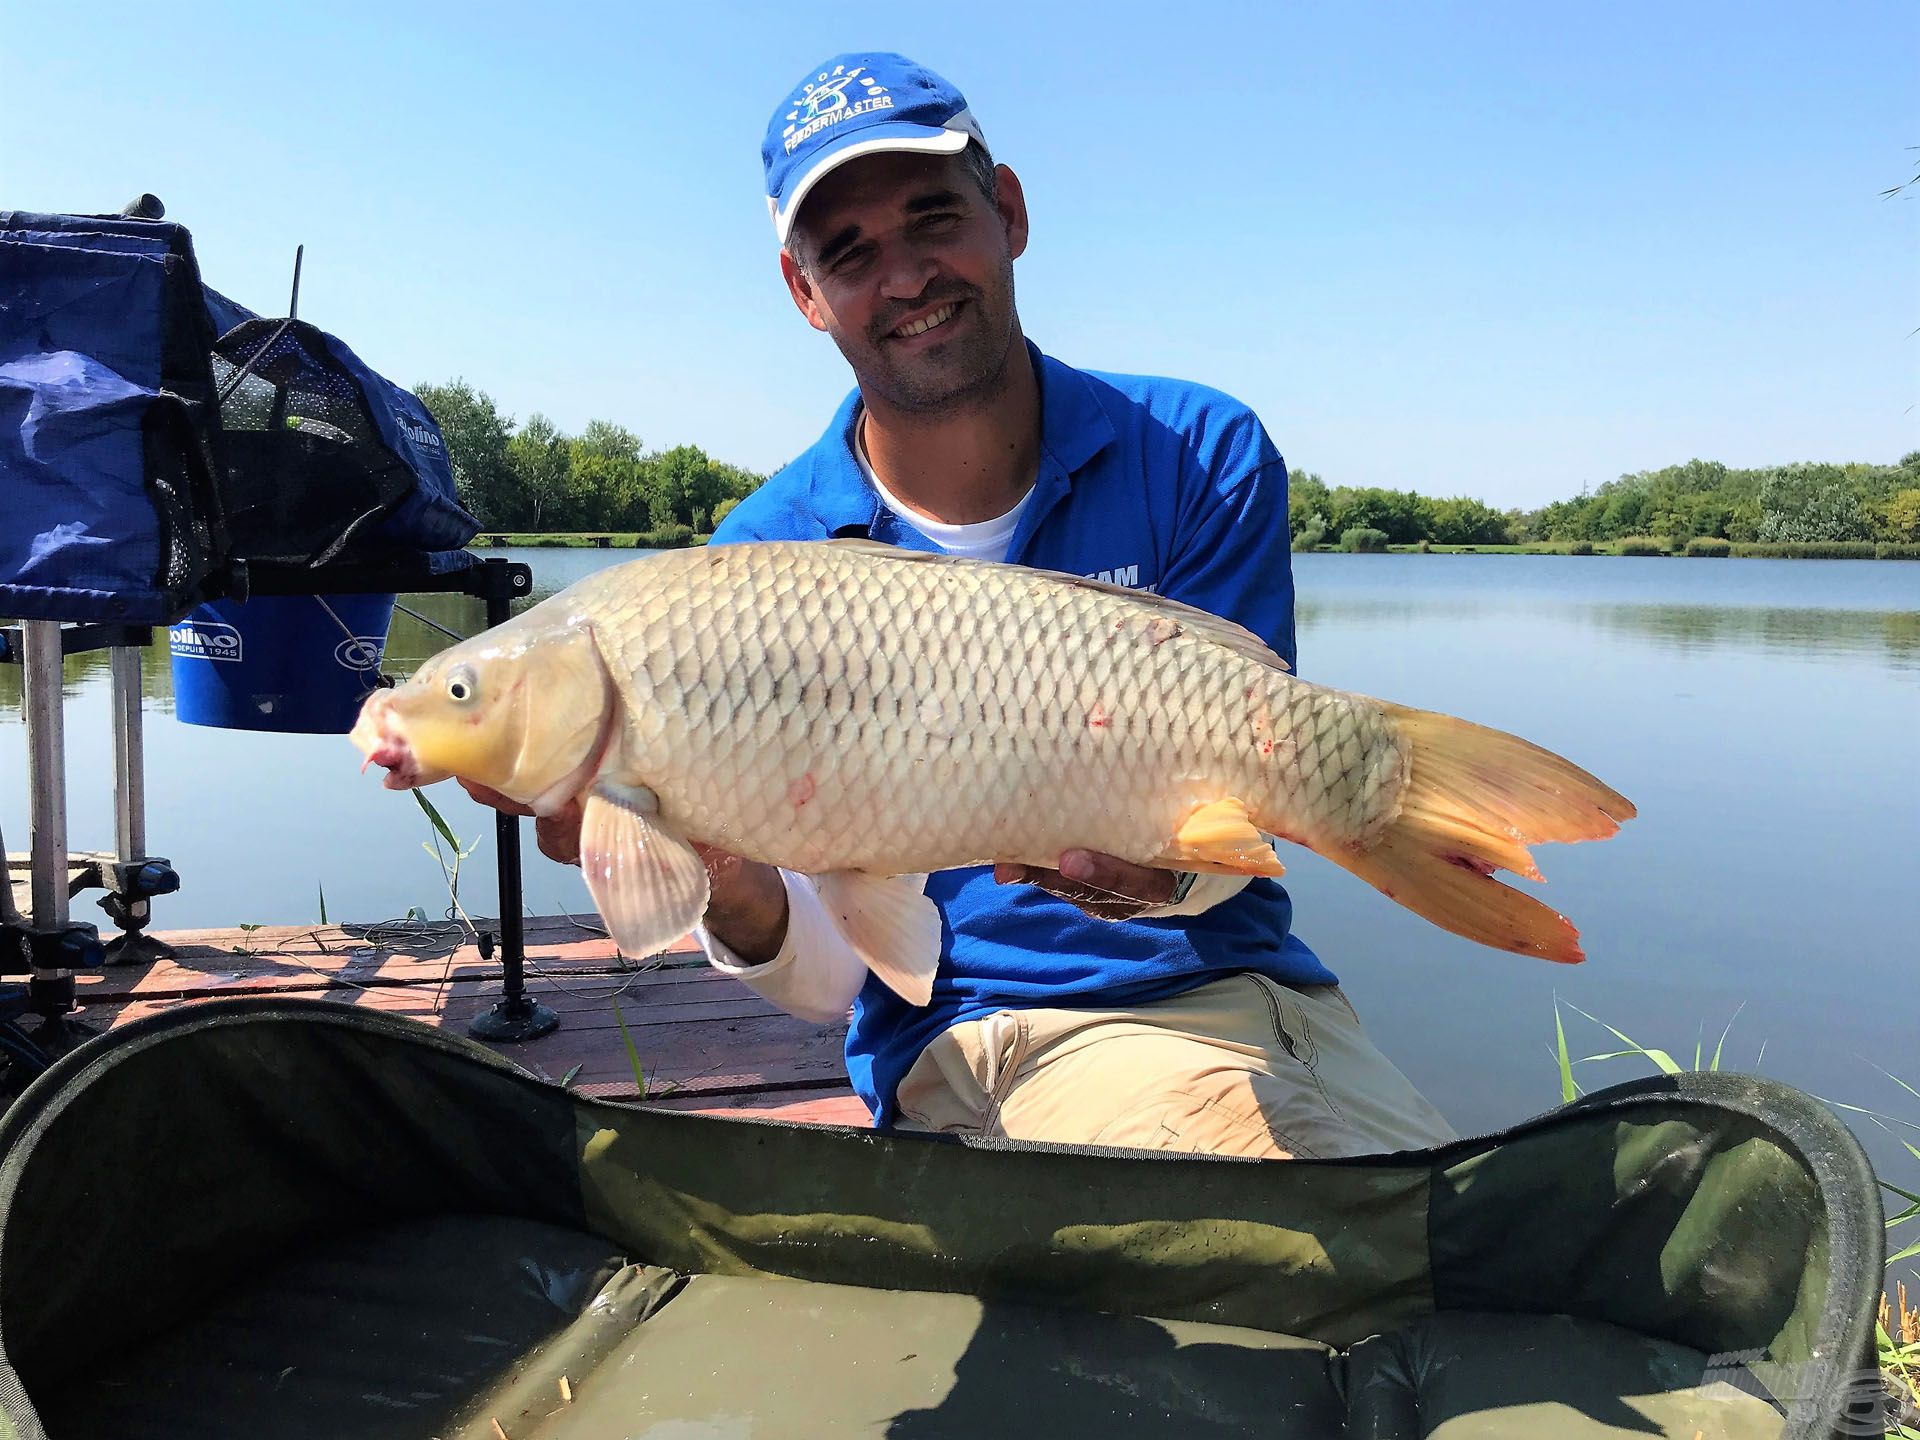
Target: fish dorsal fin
{"points": [[1189, 618]]}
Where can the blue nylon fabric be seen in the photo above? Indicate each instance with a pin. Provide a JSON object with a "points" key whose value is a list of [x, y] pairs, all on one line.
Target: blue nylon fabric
{"points": [[431, 516], [79, 366], [82, 314], [1154, 483]]}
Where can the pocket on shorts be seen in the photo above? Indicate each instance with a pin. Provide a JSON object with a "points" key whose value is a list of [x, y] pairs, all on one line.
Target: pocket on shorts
{"points": [[963, 1076], [1293, 1033]]}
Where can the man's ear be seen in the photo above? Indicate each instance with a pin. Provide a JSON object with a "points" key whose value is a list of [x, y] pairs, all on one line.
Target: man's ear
{"points": [[1011, 201], [801, 289]]}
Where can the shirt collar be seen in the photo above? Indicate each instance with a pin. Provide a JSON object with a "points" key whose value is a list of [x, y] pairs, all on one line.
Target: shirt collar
{"points": [[1074, 428]]}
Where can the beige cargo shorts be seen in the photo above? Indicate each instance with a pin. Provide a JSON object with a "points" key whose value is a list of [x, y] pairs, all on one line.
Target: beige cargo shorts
{"points": [[1240, 1066]]}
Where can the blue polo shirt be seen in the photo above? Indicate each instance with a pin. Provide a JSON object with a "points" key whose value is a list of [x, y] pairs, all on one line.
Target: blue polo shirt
{"points": [[1149, 483]]}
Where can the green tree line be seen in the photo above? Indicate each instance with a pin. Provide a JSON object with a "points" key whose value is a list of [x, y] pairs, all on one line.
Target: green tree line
{"points": [[1805, 502], [532, 477]]}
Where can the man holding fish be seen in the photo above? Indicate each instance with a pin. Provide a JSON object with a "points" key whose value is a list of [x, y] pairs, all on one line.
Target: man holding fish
{"points": [[1092, 999]]}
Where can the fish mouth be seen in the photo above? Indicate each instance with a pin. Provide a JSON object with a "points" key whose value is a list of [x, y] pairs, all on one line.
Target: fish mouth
{"points": [[378, 737]]}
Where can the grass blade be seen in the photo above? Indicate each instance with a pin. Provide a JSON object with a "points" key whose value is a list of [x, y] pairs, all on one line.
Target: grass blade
{"points": [[440, 824], [1658, 1057], [1567, 1091], [323, 902], [1898, 1081], [1724, 1033], [1908, 1253], [566, 1080], [633, 1052]]}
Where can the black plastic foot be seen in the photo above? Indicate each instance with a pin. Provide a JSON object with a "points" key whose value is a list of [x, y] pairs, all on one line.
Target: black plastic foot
{"points": [[515, 1019], [136, 947], [57, 1034]]}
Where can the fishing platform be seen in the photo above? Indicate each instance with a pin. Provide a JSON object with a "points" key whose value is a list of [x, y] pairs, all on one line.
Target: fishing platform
{"points": [[702, 1040]]}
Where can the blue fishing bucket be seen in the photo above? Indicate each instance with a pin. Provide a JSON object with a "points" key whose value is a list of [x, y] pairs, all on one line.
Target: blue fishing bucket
{"points": [[296, 663]]}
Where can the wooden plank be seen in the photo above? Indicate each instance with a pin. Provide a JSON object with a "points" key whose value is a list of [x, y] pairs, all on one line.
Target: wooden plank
{"points": [[705, 1041], [316, 957], [825, 1106]]}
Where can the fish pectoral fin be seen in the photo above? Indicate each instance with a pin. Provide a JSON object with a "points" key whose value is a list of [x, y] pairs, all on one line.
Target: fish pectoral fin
{"points": [[890, 921], [649, 885], [1220, 838]]}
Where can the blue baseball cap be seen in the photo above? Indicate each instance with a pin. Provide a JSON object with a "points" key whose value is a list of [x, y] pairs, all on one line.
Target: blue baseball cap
{"points": [[856, 105]]}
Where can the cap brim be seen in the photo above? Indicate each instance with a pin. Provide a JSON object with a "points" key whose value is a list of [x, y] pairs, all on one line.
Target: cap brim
{"points": [[917, 139]]}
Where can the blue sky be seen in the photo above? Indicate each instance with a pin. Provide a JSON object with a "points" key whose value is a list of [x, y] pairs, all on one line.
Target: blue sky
{"points": [[1501, 249]]}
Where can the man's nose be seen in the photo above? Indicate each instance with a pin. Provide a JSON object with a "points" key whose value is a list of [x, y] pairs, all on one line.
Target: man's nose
{"points": [[905, 271]]}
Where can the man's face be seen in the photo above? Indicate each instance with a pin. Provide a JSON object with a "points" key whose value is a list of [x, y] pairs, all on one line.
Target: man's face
{"points": [[909, 267]]}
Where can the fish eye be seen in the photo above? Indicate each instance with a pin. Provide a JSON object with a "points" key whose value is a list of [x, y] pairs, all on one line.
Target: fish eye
{"points": [[461, 686]]}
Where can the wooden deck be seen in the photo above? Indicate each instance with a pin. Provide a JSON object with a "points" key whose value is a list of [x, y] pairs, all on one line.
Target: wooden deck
{"points": [[705, 1042]]}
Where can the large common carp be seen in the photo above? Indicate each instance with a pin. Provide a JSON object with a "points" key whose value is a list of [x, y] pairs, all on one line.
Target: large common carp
{"points": [[866, 715]]}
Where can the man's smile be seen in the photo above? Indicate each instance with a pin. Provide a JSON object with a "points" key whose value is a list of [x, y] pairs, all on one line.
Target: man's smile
{"points": [[932, 320]]}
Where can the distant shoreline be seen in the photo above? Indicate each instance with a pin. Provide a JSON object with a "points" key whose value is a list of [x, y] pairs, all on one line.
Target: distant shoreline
{"points": [[1693, 550], [1633, 547]]}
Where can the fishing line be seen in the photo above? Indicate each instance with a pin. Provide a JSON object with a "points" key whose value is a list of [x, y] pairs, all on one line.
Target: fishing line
{"points": [[382, 680], [430, 624]]}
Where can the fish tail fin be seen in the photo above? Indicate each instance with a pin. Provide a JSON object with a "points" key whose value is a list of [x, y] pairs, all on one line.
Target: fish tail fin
{"points": [[1475, 799]]}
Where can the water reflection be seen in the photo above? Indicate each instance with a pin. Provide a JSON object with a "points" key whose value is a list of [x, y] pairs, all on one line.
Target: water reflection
{"points": [[1444, 594], [1810, 633]]}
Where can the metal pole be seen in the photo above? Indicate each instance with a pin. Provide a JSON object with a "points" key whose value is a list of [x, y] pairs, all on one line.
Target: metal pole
{"points": [[135, 876], [129, 758], [506, 835], [51, 930], [513, 1017], [46, 775]]}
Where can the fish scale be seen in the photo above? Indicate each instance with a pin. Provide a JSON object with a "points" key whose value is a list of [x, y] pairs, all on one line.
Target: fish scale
{"points": [[815, 707]]}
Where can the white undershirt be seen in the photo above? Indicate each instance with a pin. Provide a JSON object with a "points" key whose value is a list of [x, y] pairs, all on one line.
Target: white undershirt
{"points": [[977, 540]]}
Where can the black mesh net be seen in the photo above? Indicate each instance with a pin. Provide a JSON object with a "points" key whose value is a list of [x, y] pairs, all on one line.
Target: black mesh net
{"points": [[306, 470], [181, 464]]}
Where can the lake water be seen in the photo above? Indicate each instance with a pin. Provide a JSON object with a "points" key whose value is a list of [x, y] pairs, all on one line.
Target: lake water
{"points": [[1763, 715]]}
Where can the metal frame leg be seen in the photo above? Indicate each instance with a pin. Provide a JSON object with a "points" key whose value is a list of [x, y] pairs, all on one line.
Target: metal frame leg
{"points": [[50, 992], [514, 1016], [136, 876], [46, 773]]}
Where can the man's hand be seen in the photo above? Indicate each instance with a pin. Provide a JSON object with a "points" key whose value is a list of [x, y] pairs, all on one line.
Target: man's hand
{"points": [[1104, 886], [747, 906], [558, 834]]}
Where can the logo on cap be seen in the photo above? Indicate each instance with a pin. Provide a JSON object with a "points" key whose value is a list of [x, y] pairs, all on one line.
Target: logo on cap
{"points": [[824, 102]]}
